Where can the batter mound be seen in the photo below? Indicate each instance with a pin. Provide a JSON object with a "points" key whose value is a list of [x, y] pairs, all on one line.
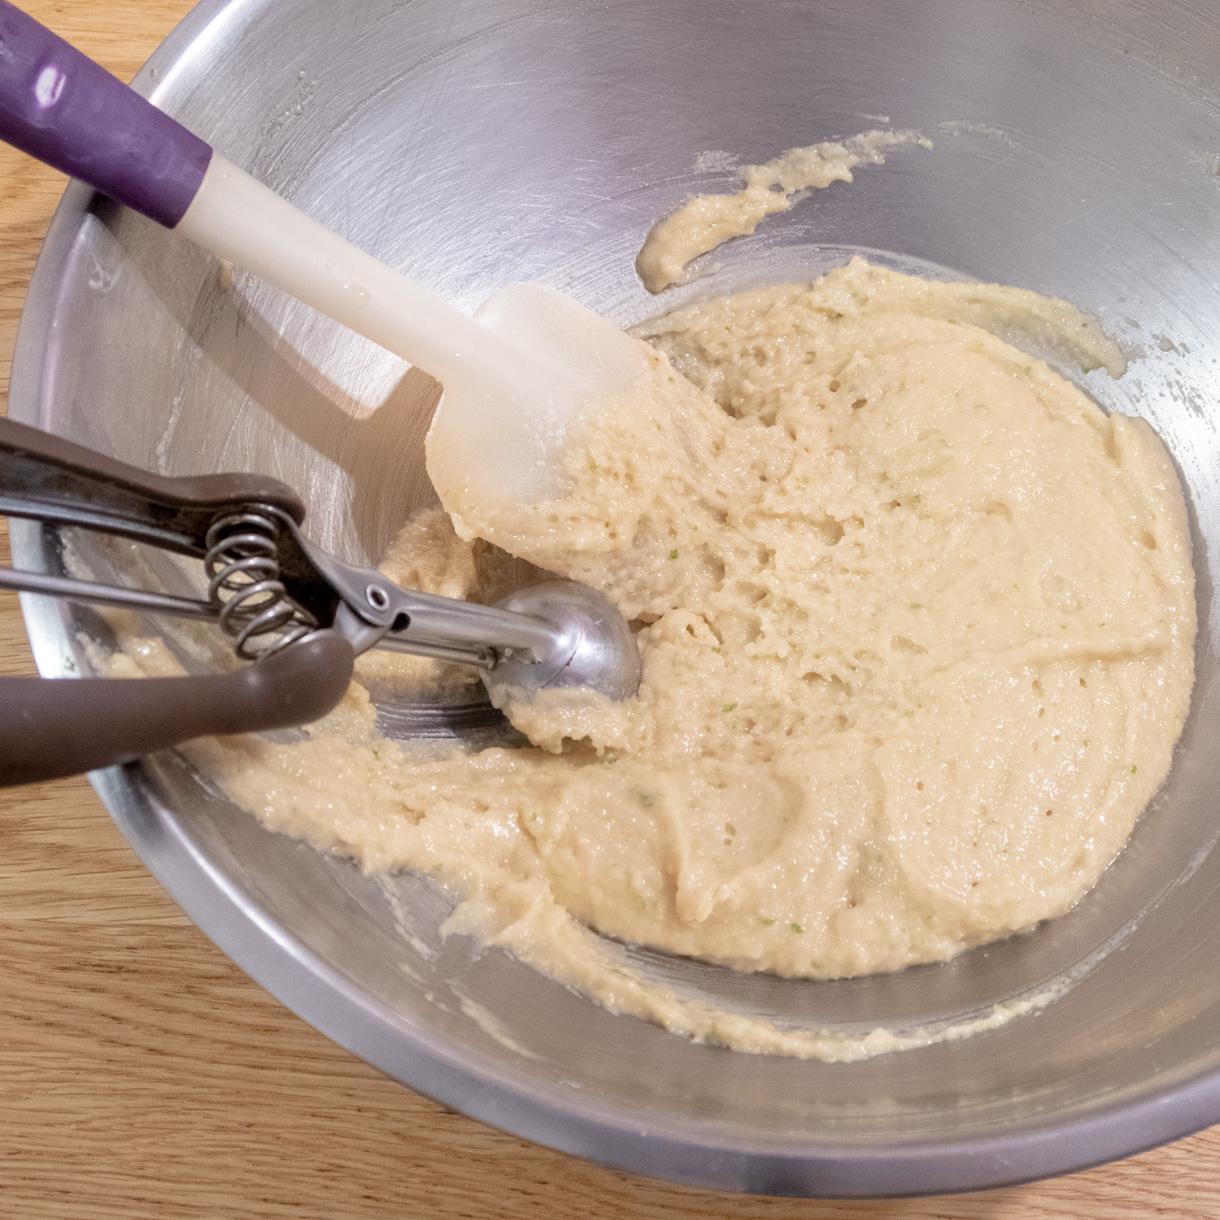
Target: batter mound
{"points": [[916, 620]]}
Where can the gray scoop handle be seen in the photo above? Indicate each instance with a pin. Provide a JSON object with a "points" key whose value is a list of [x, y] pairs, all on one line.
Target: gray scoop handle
{"points": [[50, 728], [48, 478]]}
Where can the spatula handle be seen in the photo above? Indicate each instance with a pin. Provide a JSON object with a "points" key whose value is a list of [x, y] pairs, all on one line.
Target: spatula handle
{"points": [[59, 106]]}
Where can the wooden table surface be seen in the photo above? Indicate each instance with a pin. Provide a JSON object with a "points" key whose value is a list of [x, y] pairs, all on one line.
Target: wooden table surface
{"points": [[143, 1075]]}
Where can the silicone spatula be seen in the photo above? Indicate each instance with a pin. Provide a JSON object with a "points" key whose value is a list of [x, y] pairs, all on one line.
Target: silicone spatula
{"points": [[516, 376]]}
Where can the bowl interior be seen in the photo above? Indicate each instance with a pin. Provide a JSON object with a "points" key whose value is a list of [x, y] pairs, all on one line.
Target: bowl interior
{"points": [[1076, 153]]}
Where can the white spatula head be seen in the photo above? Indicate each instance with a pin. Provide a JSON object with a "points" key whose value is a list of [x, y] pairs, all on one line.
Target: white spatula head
{"points": [[499, 439]]}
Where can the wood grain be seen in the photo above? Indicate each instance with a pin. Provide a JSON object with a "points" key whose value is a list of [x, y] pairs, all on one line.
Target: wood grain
{"points": [[143, 1075]]}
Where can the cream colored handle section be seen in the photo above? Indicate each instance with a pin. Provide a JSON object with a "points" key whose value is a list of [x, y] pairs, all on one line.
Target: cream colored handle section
{"points": [[238, 218], [516, 376]]}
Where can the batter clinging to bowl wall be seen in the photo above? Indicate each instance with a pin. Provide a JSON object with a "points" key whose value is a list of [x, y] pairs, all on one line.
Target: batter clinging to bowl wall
{"points": [[917, 626]]}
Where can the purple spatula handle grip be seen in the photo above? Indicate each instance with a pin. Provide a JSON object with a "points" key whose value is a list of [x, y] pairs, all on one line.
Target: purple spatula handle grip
{"points": [[59, 106]]}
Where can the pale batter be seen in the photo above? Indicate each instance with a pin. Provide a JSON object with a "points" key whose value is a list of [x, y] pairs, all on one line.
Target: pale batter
{"points": [[704, 222], [916, 620]]}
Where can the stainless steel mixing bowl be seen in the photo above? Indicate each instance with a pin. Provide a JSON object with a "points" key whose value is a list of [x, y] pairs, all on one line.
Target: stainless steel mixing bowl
{"points": [[1077, 152]]}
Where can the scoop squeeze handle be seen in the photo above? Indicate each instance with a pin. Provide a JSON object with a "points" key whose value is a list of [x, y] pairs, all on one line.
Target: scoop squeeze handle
{"points": [[48, 478], [59, 106], [52, 728]]}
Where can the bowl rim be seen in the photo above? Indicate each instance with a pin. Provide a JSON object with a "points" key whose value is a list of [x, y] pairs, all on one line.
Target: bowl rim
{"points": [[603, 1132]]}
